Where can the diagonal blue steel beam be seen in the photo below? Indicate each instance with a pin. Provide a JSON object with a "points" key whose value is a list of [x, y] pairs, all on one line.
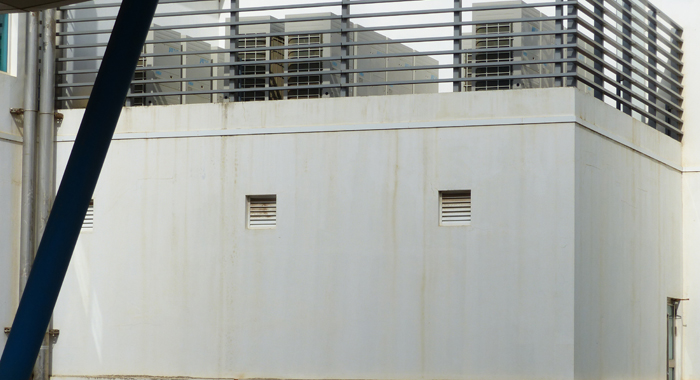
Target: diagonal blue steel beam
{"points": [[76, 189]]}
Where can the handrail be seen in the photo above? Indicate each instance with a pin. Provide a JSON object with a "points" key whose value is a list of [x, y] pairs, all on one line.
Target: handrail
{"points": [[627, 53]]}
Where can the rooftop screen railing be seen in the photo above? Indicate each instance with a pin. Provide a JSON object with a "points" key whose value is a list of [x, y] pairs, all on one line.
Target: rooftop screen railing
{"points": [[626, 53]]}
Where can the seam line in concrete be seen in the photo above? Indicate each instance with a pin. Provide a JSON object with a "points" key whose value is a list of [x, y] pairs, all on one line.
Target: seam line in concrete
{"points": [[390, 126], [337, 128]]}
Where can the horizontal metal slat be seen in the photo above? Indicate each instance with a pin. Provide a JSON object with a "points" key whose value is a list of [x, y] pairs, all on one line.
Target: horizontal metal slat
{"points": [[658, 71], [455, 208], [262, 212], [647, 102], [629, 104]]}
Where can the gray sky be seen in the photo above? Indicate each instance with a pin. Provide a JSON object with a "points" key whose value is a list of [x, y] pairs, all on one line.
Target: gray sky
{"points": [[685, 12]]}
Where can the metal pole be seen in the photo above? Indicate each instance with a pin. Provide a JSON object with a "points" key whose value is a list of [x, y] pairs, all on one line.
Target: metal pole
{"points": [[456, 46], [45, 154], [651, 57], [46, 130], [78, 184], [28, 151], [559, 40], [599, 9], [626, 69], [571, 39], [344, 48], [233, 56]]}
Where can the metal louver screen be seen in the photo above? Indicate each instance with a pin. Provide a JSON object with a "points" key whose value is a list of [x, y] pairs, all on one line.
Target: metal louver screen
{"points": [[89, 216], [262, 211], [455, 208]]}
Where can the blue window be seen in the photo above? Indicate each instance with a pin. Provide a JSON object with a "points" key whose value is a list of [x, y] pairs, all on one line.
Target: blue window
{"points": [[3, 42]]}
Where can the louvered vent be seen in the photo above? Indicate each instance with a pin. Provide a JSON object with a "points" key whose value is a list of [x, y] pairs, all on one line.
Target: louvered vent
{"points": [[89, 216], [262, 211], [455, 208]]}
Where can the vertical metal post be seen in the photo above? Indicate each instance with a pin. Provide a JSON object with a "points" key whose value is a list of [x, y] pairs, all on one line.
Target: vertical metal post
{"points": [[26, 249], [627, 57], [46, 131], [456, 46], [678, 78], [679, 67], [45, 162], [233, 56], [559, 40], [268, 66], [344, 48], [598, 9], [571, 39], [76, 189], [651, 59]]}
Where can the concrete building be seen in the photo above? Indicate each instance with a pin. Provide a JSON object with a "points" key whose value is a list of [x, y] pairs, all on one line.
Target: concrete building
{"points": [[177, 81], [165, 51], [77, 67], [307, 36], [261, 55], [534, 234], [572, 246], [532, 25]]}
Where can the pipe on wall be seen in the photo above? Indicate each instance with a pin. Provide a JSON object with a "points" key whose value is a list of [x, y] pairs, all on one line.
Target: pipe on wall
{"points": [[28, 151], [45, 156], [46, 134]]}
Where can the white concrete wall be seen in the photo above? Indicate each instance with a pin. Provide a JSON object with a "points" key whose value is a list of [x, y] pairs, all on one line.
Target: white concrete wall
{"points": [[628, 249], [11, 96], [684, 11], [358, 280], [10, 181]]}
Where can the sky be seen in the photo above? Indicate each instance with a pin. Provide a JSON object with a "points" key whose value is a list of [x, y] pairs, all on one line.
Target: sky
{"points": [[685, 12]]}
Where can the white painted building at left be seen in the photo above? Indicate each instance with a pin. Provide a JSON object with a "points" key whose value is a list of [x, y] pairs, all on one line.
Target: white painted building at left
{"points": [[11, 96]]}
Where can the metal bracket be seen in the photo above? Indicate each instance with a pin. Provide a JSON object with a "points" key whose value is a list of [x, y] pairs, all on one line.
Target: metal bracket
{"points": [[58, 118], [52, 333], [17, 111]]}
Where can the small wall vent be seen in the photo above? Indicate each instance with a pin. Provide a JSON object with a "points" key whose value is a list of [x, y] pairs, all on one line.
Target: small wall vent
{"points": [[89, 220], [262, 211], [455, 208]]}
